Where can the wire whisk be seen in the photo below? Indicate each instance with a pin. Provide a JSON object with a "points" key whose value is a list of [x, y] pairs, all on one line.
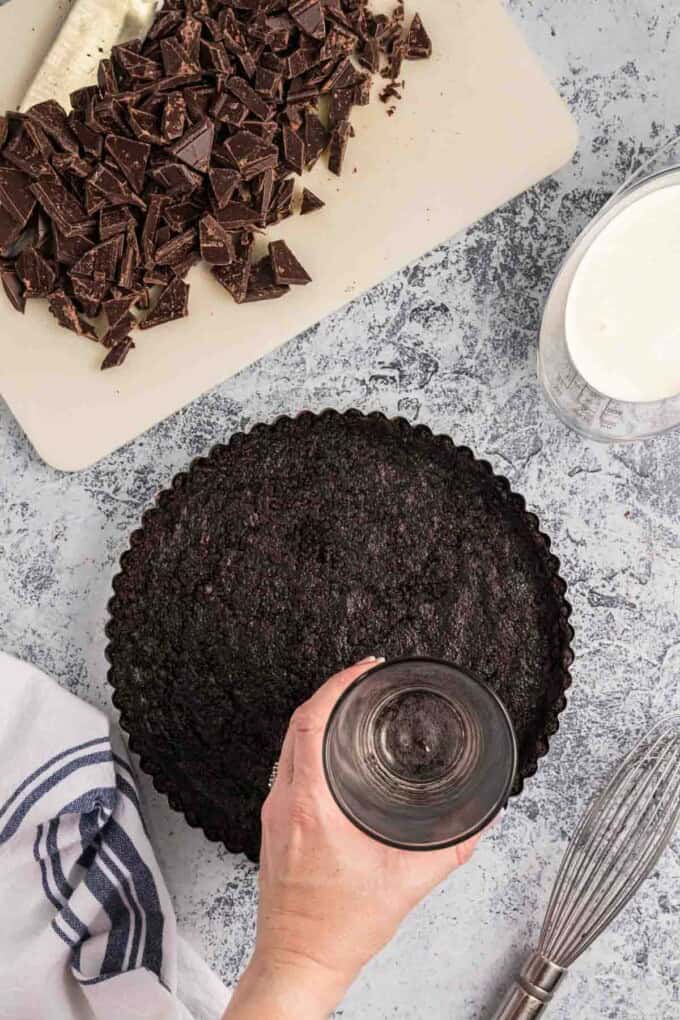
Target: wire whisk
{"points": [[615, 847]]}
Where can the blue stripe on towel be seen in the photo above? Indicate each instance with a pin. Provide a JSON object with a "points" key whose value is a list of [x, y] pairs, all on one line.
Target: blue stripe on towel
{"points": [[124, 881], [52, 852], [120, 843], [43, 870], [43, 768], [34, 796], [103, 889]]}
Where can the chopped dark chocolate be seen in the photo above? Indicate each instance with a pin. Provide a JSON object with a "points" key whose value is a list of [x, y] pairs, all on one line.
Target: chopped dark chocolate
{"points": [[177, 248], [310, 202], [118, 354], [131, 156], [338, 147], [261, 284], [234, 277], [293, 150], [250, 155], [16, 195], [217, 245], [195, 146], [65, 312], [183, 150], [13, 289], [174, 117], [316, 137], [60, 205], [309, 16], [37, 274], [285, 267], [418, 42], [342, 101], [223, 184], [114, 221], [172, 304]]}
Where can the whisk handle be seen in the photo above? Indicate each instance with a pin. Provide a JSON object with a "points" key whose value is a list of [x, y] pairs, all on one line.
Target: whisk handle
{"points": [[532, 991]]}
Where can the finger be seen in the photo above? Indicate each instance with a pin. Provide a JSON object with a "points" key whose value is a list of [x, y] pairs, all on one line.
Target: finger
{"points": [[311, 718], [285, 771]]}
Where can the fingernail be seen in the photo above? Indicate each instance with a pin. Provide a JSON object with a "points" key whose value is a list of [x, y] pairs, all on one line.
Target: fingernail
{"points": [[370, 658]]}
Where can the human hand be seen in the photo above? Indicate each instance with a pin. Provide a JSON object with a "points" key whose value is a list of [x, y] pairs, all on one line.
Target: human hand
{"points": [[330, 896]]}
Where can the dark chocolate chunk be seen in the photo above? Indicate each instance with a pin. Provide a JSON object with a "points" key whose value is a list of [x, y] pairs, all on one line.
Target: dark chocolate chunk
{"points": [[345, 76], [268, 83], [16, 195], [249, 154], [369, 56], [145, 126], [293, 150], [172, 304], [338, 147], [118, 330], [66, 163], [131, 260], [131, 156], [362, 92], [151, 224], [217, 246], [54, 122], [118, 354], [10, 232], [101, 260], [223, 184], [37, 274], [135, 65], [65, 312], [342, 101], [177, 248], [176, 178], [236, 215], [180, 216], [195, 146], [418, 42], [214, 56], [68, 250], [300, 61], [114, 221], [310, 202], [176, 60], [4, 130], [261, 284], [174, 117], [249, 97], [89, 293], [394, 67], [285, 267], [316, 137], [234, 277], [113, 188], [23, 152], [309, 16], [91, 143], [13, 289], [107, 78]]}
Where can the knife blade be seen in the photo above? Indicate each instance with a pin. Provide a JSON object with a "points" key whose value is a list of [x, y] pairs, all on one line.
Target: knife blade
{"points": [[91, 29]]}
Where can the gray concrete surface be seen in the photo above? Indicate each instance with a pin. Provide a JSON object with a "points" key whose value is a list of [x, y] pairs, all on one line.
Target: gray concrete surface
{"points": [[449, 341]]}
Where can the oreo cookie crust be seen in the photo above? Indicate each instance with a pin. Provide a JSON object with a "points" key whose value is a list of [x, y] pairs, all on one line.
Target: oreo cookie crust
{"points": [[298, 549]]}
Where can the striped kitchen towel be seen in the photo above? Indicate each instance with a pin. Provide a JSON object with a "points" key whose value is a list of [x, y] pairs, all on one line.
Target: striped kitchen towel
{"points": [[87, 929]]}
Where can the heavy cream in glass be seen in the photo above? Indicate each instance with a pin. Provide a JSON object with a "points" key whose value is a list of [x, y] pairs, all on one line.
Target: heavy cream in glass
{"points": [[623, 310]]}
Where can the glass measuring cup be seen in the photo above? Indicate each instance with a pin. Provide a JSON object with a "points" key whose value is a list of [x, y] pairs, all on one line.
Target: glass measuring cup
{"points": [[579, 405], [419, 755]]}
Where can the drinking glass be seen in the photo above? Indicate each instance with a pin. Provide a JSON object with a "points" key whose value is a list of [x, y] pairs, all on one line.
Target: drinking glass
{"points": [[419, 755]]}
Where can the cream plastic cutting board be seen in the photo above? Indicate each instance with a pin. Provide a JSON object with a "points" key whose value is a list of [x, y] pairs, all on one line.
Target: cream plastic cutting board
{"points": [[478, 124]]}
